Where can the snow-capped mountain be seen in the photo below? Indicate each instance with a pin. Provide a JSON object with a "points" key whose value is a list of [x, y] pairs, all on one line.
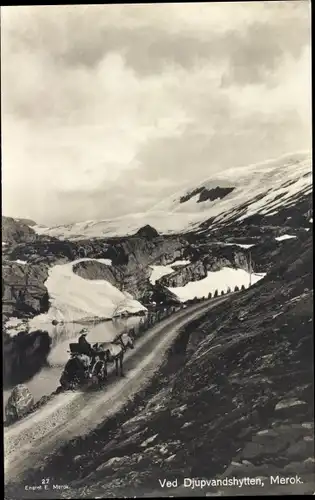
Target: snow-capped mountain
{"points": [[235, 194]]}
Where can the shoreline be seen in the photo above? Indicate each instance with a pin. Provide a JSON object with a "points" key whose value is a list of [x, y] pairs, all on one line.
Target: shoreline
{"points": [[46, 398]]}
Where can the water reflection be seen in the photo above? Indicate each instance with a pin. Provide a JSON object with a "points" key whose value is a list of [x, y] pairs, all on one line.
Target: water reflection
{"points": [[47, 380]]}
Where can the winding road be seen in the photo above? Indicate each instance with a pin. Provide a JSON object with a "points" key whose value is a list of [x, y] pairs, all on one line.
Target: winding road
{"points": [[68, 415]]}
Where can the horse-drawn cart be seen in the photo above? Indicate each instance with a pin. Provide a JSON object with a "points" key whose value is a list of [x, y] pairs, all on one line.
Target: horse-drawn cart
{"points": [[86, 367], [88, 364]]}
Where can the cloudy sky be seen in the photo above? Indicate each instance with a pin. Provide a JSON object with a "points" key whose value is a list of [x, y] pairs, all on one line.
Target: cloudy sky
{"points": [[107, 109]]}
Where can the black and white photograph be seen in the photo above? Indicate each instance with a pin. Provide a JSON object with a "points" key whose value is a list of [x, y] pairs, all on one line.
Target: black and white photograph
{"points": [[157, 250]]}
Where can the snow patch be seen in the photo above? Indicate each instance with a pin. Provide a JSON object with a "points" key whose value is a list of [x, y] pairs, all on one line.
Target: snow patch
{"points": [[242, 245], [159, 271], [148, 441], [285, 237], [287, 403], [311, 220], [272, 213], [18, 261], [217, 280], [107, 262], [74, 298], [298, 297], [180, 263]]}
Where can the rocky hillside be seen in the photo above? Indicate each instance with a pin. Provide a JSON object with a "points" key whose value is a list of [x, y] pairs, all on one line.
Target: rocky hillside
{"points": [[95, 270], [27, 263], [140, 253], [235, 398], [131, 258], [204, 257], [245, 223], [23, 290], [29, 222], [15, 231]]}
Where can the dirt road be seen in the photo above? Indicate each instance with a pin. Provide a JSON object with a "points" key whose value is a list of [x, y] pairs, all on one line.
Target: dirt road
{"points": [[68, 415]]}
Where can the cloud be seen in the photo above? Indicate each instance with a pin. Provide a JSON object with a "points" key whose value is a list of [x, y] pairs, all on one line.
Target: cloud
{"points": [[107, 108]]}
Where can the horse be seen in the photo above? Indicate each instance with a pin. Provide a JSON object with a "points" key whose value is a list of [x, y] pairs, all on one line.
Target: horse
{"points": [[115, 350], [76, 371], [98, 369], [132, 333]]}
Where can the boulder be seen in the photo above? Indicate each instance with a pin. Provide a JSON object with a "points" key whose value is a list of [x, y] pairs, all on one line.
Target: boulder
{"points": [[19, 403], [192, 272], [147, 232], [158, 294]]}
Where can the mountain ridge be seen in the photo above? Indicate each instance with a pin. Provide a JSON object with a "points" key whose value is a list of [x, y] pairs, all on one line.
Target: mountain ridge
{"points": [[263, 188]]}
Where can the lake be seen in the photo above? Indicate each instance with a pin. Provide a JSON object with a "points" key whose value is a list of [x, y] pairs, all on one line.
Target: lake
{"points": [[47, 380]]}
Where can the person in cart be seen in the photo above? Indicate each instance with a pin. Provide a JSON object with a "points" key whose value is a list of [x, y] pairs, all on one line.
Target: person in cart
{"points": [[84, 345]]}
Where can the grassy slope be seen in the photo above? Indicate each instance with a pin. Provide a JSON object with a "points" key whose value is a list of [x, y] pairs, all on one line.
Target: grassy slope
{"points": [[241, 362]]}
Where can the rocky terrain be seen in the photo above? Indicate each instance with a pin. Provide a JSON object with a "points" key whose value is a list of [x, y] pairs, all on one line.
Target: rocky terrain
{"points": [[27, 262], [16, 231], [29, 222], [131, 258], [24, 293], [296, 217], [234, 399], [205, 256]]}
